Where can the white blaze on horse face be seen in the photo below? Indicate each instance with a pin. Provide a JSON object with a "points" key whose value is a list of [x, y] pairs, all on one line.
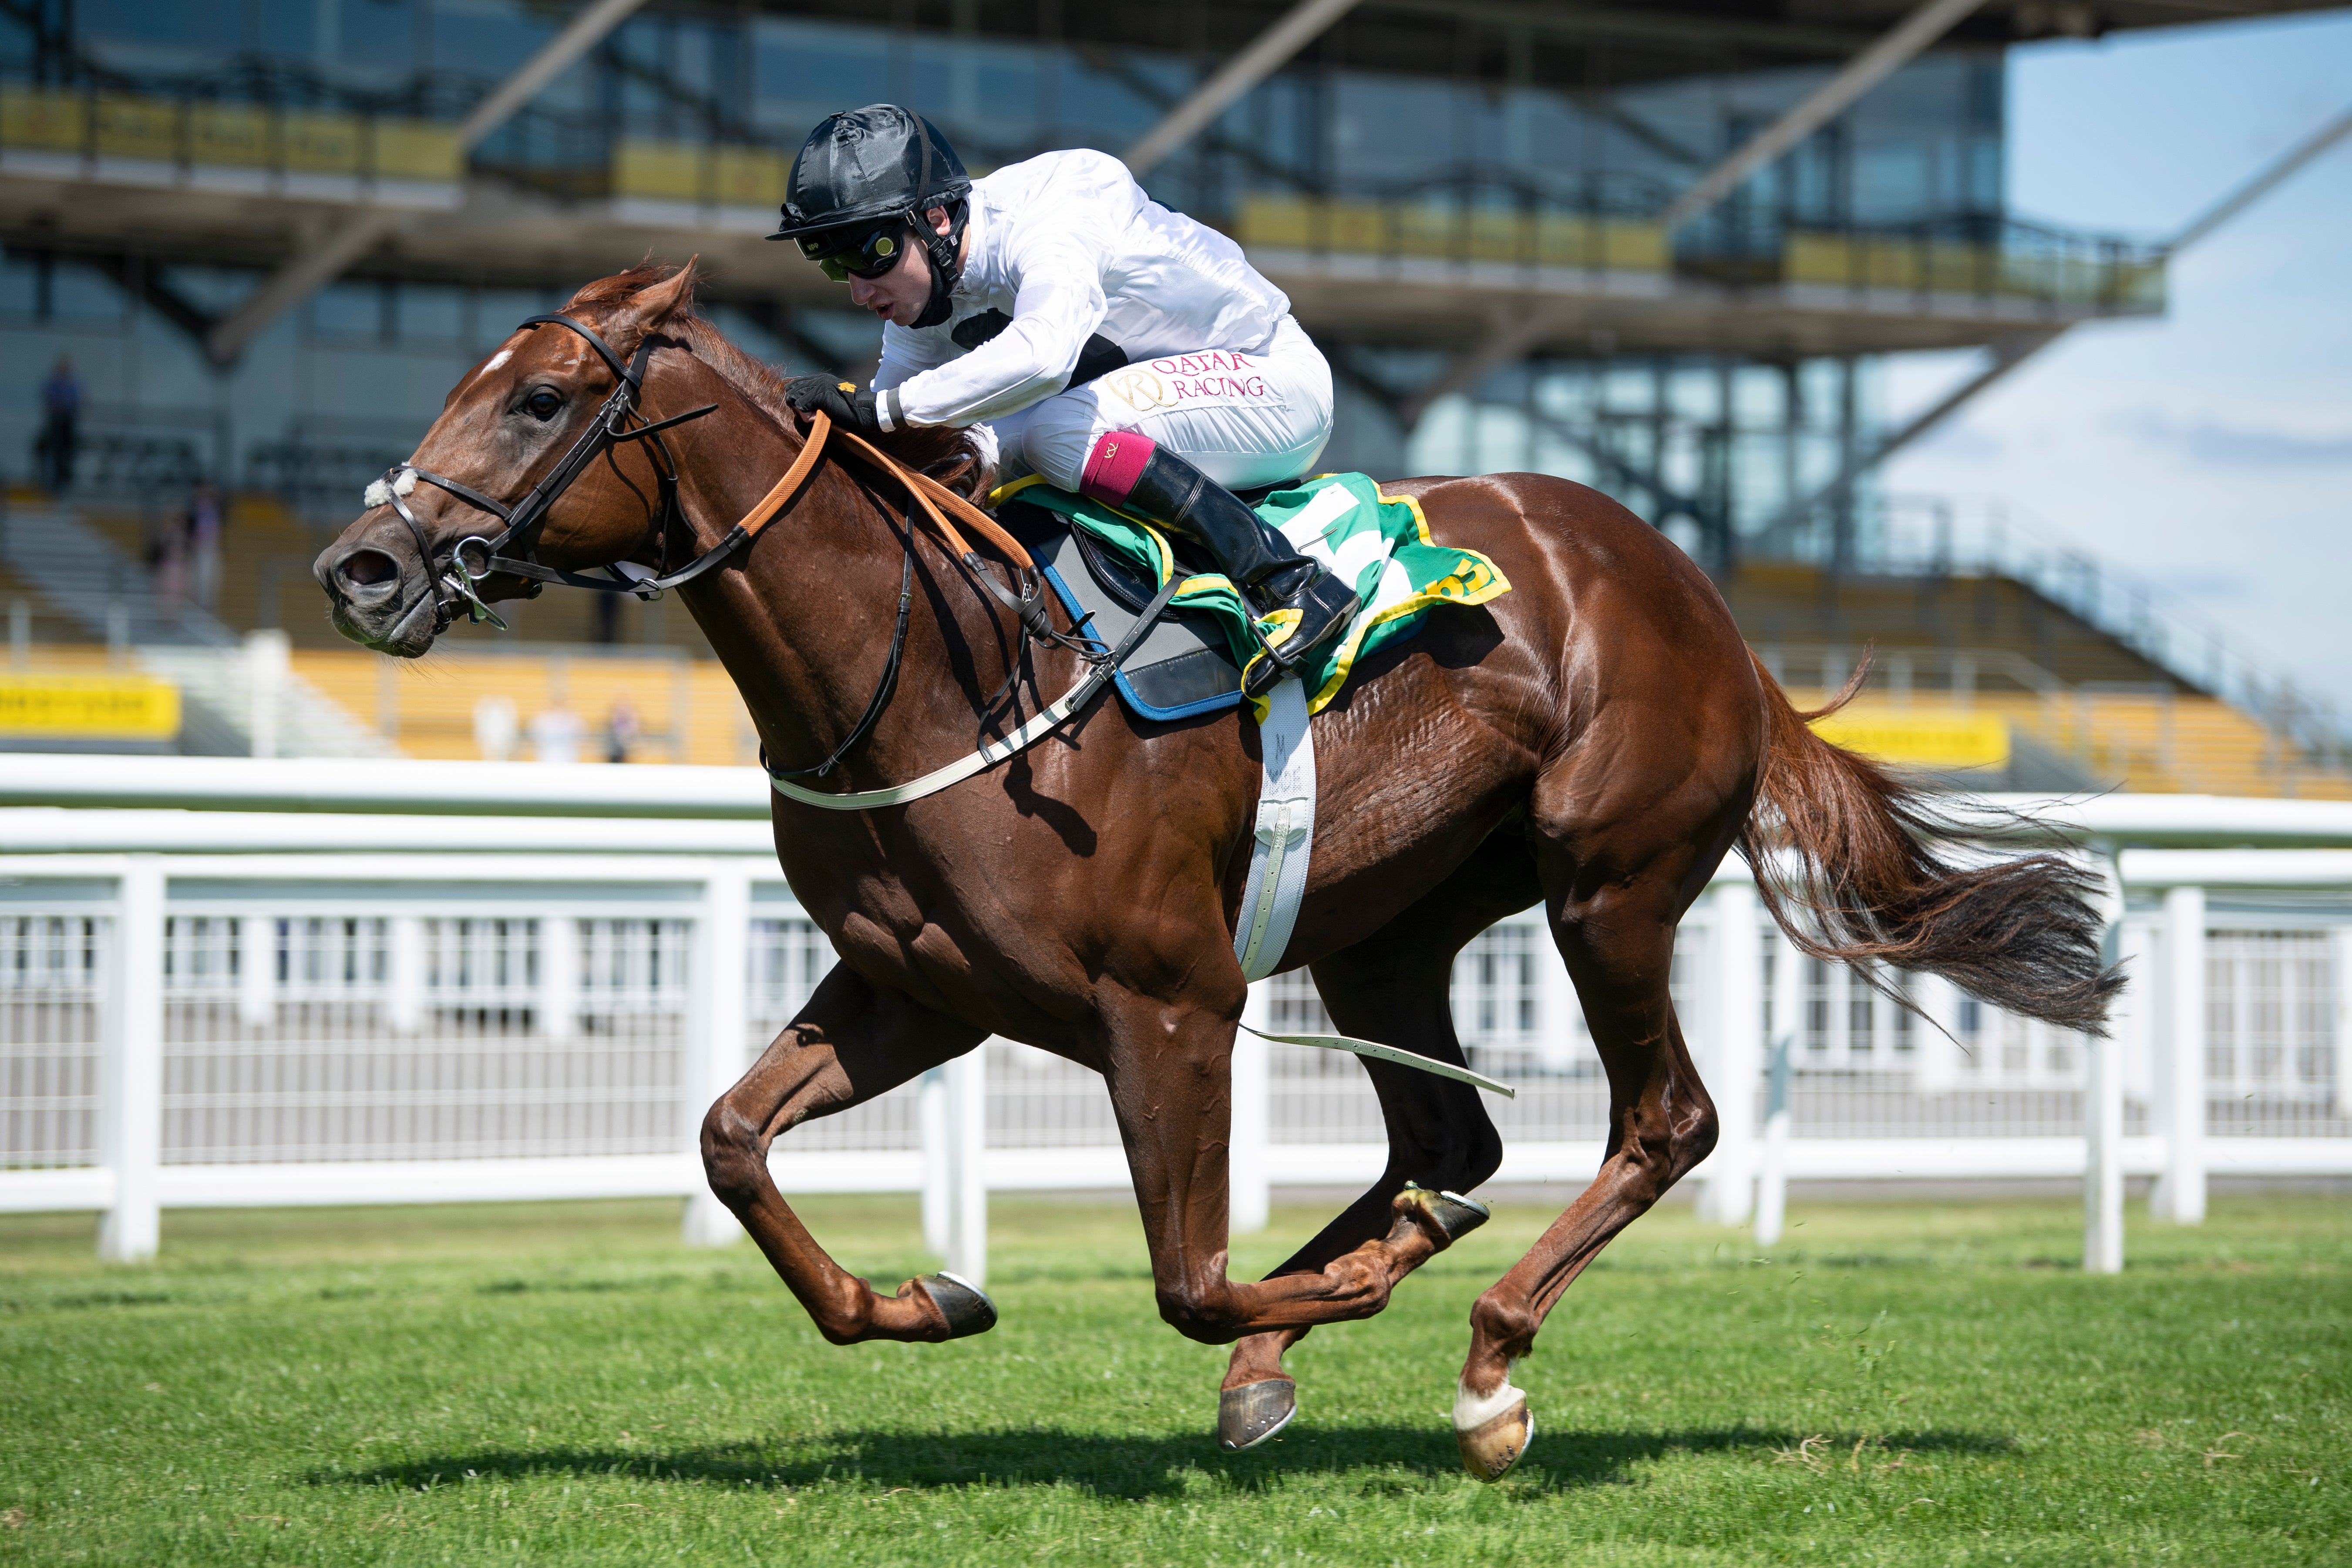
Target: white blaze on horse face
{"points": [[496, 359], [1472, 1410]]}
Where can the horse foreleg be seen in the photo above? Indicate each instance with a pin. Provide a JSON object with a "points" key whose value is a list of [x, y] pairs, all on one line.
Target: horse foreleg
{"points": [[853, 1042], [1170, 1074], [1661, 1123], [1393, 988]]}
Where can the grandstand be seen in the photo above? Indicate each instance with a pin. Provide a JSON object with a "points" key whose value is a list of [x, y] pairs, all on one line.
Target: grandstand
{"points": [[2081, 706], [1660, 250]]}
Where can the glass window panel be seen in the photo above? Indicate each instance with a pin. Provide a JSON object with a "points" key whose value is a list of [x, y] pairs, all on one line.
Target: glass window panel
{"points": [[379, 34], [487, 40], [283, 26], [347, 310], [819, 70], [170, 24], [431, 315]]}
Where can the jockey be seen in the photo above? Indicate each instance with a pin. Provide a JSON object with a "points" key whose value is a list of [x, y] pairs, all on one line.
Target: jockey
{"points": [[1120, 350]]}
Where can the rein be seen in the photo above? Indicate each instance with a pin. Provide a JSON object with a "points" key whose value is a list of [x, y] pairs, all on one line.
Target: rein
{"points": [[525, 519]]}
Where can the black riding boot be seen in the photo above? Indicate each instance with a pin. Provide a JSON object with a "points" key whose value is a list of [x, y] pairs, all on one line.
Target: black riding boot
{"points": [[1270, 574]]}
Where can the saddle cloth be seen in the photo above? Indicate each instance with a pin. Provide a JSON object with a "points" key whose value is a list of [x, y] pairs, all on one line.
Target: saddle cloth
{"points": [[1105, 561]]}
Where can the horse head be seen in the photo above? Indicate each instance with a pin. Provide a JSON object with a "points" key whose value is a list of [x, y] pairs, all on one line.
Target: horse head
{"points": [[395, 577]]}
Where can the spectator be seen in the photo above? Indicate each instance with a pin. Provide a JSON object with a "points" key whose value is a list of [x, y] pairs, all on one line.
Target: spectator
{"points": [[61, 413], [204, 525], [555, 735], [494, 727], [621, 730], [167, 557]]}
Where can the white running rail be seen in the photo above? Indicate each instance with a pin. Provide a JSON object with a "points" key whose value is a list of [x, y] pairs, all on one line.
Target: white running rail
{"points": [[238, 1006]]}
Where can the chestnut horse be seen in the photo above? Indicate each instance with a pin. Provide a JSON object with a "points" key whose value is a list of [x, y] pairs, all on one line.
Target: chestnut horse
{"points": [[1594, 741]]}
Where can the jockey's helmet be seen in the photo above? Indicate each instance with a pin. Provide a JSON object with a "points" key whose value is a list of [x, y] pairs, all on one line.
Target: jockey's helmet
{"points": [[858, 188], [864, 166]]}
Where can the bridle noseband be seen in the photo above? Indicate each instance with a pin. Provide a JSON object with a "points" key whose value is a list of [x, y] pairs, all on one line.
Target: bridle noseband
{"points": [[526, 518]]}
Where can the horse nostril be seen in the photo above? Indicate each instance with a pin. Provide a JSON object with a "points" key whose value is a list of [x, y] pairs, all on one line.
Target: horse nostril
{"points": [[367, 568]]}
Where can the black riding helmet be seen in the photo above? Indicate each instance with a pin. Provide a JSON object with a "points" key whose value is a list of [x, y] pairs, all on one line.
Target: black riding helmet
{"points": [[877, 169]]}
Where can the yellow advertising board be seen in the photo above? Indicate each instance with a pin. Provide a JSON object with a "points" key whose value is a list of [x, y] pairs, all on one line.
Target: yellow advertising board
{"points": [[88, 707], [1920, 739]]}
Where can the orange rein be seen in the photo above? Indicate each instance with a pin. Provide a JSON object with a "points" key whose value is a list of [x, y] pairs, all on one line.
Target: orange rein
{"points": [[921, 489]]}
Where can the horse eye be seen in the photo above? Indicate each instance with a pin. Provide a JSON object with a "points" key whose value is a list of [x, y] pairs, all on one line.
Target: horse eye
{"points": [[542, 405]]}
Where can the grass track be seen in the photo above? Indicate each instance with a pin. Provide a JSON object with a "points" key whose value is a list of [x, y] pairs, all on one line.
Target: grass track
{"points": [[558, 1384]]}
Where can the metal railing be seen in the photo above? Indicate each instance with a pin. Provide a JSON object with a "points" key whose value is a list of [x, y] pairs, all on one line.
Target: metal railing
{"points": [[241, 147], [1944, 536], [225, 1007]]}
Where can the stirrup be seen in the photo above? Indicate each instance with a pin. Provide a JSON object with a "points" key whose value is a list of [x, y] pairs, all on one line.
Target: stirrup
{"points": [[1325, 608]]}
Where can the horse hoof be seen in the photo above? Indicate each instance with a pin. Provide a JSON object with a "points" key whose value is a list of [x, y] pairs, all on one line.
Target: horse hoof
{"points": [[964, 1304], [1489, 1451], [1454, 1216], [1254, 1412], [1493, 1429]]}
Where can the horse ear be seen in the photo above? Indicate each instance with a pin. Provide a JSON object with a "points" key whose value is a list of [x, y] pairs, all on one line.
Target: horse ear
{"points": [[644, 310]]}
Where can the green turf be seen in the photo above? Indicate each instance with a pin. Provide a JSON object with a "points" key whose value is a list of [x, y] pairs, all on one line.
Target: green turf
{"points": [[565, 1383]]}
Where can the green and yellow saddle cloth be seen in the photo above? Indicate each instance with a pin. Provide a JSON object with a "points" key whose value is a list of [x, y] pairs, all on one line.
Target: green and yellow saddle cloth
{"points": [[1378, 544]]}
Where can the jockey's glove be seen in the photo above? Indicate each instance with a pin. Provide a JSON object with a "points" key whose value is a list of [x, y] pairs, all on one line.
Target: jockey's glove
{"points": [[867, 413]]}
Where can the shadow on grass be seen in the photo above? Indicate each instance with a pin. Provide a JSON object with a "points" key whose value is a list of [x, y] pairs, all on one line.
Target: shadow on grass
{"points": [[1129, 1467]]}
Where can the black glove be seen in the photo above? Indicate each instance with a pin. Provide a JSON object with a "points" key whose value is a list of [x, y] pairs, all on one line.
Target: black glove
{"points": [[842, 401]]}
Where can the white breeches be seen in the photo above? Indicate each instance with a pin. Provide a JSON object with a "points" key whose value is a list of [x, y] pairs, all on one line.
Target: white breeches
{"points": [[1246, 419]]}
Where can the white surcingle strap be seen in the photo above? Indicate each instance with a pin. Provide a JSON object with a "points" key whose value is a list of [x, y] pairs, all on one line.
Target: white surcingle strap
{"points": [[1277, 876], [1286, 833]]}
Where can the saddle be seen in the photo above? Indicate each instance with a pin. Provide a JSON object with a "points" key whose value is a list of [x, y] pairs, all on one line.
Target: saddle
{"points": [[1110, 563], [1183, 667]]}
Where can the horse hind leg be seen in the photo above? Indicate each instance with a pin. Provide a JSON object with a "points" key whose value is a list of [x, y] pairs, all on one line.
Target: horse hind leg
{"points": [[1619, 947], [853, 1042]]}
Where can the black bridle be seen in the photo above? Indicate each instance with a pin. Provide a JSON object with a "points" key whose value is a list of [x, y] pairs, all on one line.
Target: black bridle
{"points": [[617, 421], [526, 518]]}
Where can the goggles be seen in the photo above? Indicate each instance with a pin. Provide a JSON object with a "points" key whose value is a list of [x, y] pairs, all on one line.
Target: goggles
{"points": [[868, 255]]}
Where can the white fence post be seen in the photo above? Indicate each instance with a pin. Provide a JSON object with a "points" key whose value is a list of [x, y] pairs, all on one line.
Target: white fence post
{"points": [[2103, 1171], [1773, 1159], [131, 1078], [966, 1097], [1252, 1122], [267, 660], [1727, 1180], [2179, 1195], [719, 1020], [1935, 1065], [404, 974], [256, 970], [556, 1008], [939, 1162], [2103, 1103], [1558, 1006], [2340, 1095]]}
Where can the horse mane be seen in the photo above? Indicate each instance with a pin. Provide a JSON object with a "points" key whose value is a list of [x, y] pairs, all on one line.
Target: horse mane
{"points": [[944, 452]]}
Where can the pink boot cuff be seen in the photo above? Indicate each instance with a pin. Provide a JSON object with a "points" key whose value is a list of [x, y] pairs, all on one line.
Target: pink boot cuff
{"points": [[1114, 464]]}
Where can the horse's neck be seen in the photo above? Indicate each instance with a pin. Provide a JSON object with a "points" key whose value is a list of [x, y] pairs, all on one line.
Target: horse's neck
{"points": [[803, 619]]}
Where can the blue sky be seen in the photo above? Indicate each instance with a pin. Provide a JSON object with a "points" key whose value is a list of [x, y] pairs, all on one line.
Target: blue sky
{"points": [[2210, 451]]}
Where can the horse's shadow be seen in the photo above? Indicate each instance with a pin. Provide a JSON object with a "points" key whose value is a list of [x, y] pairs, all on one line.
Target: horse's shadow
{"points": [[1132, 1468]]}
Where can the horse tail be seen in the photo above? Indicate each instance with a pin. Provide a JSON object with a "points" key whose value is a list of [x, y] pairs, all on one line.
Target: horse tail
{"points": [[1844, 856]]}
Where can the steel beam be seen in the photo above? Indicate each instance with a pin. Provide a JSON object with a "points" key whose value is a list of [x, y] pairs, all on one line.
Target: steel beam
{"points": [[324, 260], [312, 270], [587, 30], [1268, 54], [2009, 352], [1874, 64], [1508, 340], [2253, 190]]}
